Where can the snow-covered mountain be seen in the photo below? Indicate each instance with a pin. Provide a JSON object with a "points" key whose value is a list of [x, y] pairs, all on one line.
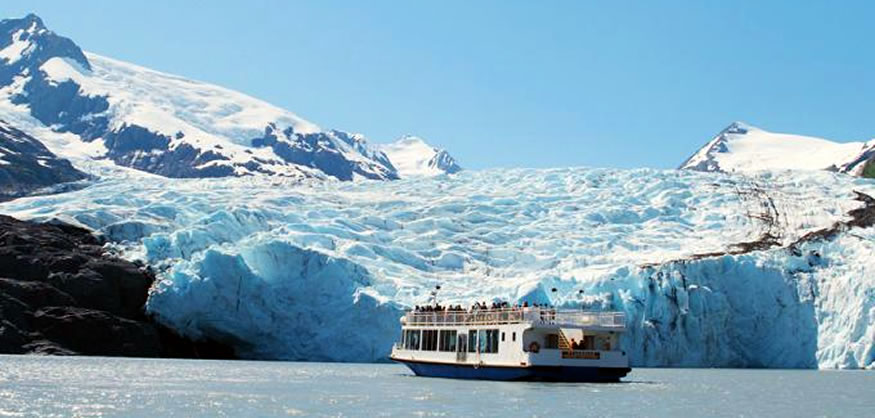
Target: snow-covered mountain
{"points": [[26, 165], [744, 148], [413, 157], [165, 124], [727, 269], [712, 270]]}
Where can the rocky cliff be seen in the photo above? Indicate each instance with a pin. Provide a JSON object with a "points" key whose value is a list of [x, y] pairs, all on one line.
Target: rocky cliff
{"points": [[61, 293]]}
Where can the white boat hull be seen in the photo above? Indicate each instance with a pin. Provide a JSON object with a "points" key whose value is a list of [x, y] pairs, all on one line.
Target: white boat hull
{"points": [[505, 373]]}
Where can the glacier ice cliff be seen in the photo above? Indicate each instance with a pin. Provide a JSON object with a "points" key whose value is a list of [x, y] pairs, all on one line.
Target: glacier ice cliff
{"points": [[711, 269]]}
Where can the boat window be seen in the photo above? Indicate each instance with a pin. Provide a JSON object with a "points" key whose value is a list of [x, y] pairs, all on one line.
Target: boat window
{"points": [[552, 341], [416, 340], [513, 336], [472, 340], [489, 341], [502, 337], [603, 343], [429, 339], [588, 342], [411, 342], [448, 341]]}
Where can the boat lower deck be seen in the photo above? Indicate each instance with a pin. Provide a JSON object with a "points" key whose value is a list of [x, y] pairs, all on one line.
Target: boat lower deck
{"points": [[517, 373]]}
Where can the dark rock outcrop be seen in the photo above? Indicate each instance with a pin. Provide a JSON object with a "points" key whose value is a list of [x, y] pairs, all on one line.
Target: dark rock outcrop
{"points": [[328, 152], [26, 165], [444, 162], [137, 147], [60, 293]]}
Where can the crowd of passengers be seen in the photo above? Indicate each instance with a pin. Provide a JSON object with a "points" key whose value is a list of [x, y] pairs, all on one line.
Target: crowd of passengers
{"points": [[479, 306]]}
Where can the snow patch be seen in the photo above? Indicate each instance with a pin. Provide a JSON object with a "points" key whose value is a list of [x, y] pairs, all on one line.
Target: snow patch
{"points": [[20, 46], [413, 157], [61, 69], [217, 111]]}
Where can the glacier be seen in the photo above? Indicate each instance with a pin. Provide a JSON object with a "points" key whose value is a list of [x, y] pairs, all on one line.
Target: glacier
{"points": [[321, 270]]}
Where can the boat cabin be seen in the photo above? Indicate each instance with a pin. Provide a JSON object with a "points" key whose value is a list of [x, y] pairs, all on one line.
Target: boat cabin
{"points": [[522, 340]]}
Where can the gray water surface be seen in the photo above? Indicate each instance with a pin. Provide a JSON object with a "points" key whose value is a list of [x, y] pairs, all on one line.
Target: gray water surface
{"points": [[97, 386]]}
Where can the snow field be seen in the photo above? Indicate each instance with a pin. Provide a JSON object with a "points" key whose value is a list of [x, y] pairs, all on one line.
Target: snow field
{"points": [[748, 149]]}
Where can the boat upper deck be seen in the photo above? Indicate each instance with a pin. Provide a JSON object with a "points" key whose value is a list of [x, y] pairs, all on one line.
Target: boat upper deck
{"points": [[534, 315]]}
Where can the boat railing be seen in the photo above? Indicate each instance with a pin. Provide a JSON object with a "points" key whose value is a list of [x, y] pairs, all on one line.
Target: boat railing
{"points": [[544, 316]]}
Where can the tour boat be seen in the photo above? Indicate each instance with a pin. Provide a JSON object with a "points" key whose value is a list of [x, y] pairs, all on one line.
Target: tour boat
{"points": [[527, 343]]}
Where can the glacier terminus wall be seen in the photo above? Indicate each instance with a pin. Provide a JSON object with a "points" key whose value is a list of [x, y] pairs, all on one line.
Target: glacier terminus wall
{"points": [[712, 269]]}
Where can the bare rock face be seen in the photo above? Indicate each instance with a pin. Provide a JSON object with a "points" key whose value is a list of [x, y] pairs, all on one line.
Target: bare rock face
{"points": [[26, 165], [60, 294]]}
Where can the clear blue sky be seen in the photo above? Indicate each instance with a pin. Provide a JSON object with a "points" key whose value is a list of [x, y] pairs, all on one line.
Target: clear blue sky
{"points": [[511, 83]]}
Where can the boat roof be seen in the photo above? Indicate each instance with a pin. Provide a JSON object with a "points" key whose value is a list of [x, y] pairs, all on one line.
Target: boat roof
{"points": [[537, 316]]}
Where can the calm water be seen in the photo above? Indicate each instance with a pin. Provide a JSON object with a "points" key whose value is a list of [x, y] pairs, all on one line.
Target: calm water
{"points": [[109, 386]]}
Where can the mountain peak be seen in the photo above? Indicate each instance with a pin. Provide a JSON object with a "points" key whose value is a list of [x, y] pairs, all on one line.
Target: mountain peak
{"points": [[30, 23], [411, 140], [738, 127], [413, 157], [741, 147], [26, 43], [443, 161], [705, 158], [34, 21]]}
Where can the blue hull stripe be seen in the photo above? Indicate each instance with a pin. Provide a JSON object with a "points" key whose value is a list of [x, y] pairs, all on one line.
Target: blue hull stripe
{"points": [[543, 373]]}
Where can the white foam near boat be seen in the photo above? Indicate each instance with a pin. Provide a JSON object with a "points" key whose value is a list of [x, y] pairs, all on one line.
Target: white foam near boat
{"points": [[528, 343]]}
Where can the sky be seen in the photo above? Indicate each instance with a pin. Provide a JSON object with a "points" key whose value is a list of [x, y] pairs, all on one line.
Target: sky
{"points": [[513, 83]]}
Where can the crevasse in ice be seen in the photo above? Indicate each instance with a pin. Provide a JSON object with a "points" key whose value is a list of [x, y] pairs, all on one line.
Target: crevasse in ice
{"points": [[323, 270]]}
